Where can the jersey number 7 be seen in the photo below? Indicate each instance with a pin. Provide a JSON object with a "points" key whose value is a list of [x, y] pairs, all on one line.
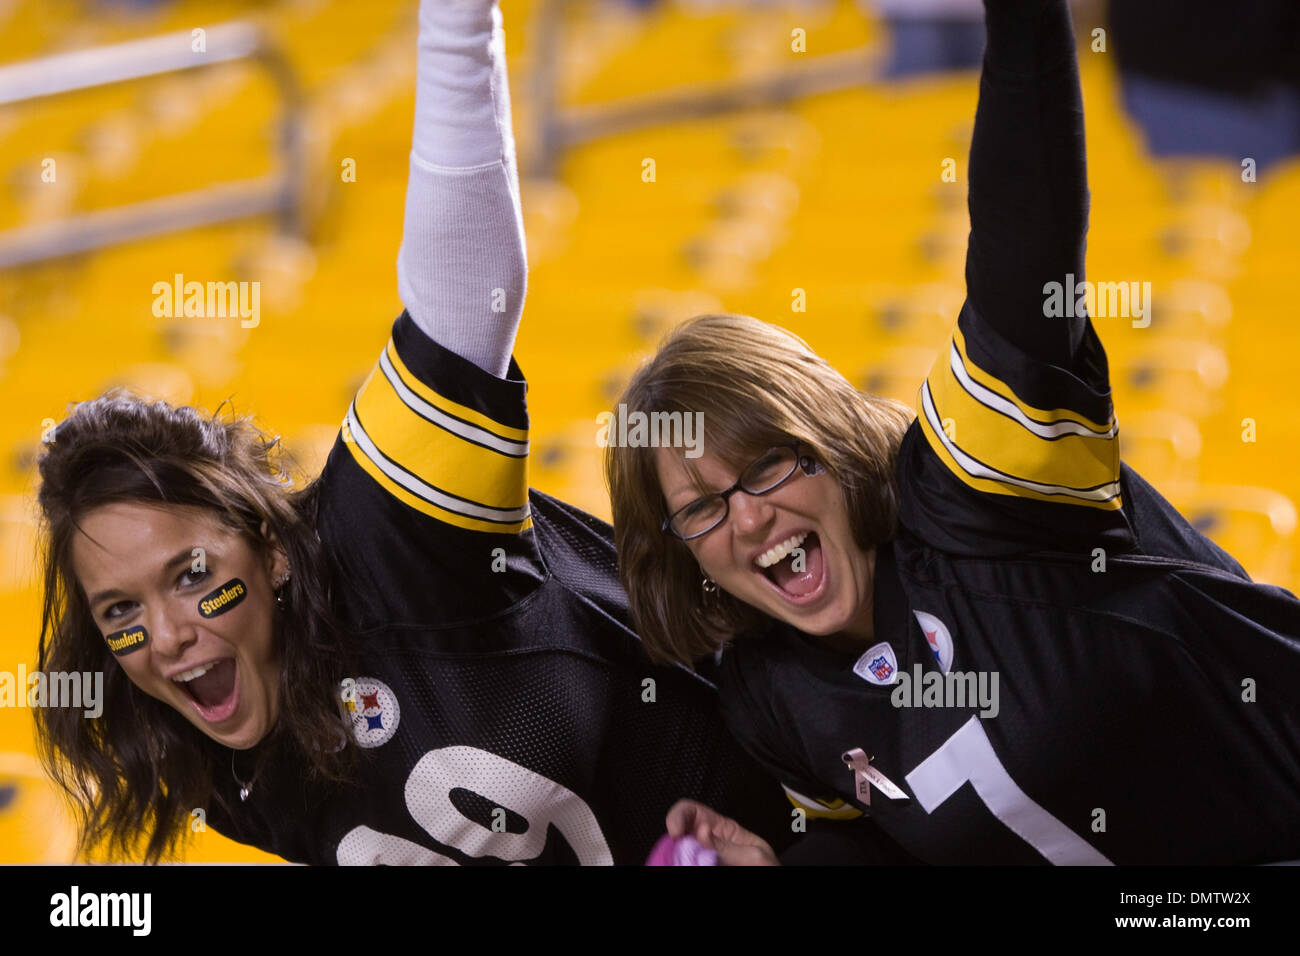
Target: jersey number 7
{"points": [[967, 757]]}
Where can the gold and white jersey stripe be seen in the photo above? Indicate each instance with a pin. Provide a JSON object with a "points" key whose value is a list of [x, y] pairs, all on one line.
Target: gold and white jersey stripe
{"points": [[994, 441], [442, 458]]}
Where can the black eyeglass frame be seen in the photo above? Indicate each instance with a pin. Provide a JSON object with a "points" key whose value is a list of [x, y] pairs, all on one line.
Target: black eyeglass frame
{"points": [[806, 462]]}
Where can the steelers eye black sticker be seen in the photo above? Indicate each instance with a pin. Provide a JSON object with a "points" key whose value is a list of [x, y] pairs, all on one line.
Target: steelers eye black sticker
{"points": [[223, 598], [122, 643]]}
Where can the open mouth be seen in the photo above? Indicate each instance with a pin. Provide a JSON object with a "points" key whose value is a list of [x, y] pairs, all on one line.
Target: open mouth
{"points": [[795, 567], [213, 688]]}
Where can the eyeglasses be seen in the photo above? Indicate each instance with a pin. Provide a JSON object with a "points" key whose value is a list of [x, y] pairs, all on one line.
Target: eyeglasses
{"points": [[766, 473]]}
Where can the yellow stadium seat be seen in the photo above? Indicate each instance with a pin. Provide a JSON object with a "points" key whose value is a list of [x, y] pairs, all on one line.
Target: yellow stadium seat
{"points": [[35, 825], [1255, 525], [1163, 445]]}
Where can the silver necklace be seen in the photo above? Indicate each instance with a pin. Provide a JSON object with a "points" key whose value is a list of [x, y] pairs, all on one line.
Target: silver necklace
{"points": [[244, 788]]}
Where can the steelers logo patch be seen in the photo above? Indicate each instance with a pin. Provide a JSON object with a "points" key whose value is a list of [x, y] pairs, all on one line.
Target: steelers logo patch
{"points": [[937, 637], [374, 710]]}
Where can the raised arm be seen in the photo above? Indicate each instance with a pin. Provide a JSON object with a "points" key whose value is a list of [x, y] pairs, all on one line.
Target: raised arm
{"points": [[463, 237], [1028, 178], [1021, 449]]}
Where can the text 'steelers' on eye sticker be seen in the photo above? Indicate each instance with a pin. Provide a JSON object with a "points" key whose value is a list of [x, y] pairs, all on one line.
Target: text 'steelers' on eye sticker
{"points": [[124, 642], [223, 598]]}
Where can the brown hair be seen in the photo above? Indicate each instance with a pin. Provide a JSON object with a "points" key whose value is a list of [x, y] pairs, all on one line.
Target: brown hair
{"points": [[757, 386], [135, 772]]}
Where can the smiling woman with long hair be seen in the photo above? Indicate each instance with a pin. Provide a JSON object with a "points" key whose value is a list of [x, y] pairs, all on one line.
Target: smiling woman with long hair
{"points": [[160, 504], [976, 636], [390, 663]]}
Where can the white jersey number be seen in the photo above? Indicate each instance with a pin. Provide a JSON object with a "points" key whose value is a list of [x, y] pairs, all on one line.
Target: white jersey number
{"points": [[537, 799], [967, 757]]}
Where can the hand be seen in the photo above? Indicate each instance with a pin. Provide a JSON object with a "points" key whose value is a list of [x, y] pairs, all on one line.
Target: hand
{"points": [[734, 845]]}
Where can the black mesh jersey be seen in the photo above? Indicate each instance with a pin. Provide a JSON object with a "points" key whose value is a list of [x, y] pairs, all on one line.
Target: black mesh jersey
{"points": [[505, 709], [1063, 669]]}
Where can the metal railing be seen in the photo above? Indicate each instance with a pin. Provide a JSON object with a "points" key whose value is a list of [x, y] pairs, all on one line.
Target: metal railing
{"points": [[279, 192], [559, 128]]}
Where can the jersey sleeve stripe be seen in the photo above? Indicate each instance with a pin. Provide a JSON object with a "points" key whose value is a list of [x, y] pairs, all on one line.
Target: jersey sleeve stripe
{"points": [[439, 451], [1025, 459], [442, 452], [472, 424], [458, 386], [994, 393], [1060, 453], [431, 467], [1043, 391], [822, 809]]}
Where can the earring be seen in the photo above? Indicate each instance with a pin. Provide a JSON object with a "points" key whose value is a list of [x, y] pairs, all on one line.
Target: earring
{"points": [[710, 589], [278, 587]]}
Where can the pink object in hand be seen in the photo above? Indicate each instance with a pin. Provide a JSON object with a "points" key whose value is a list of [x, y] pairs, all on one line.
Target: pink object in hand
{"points": [[683, 851]]}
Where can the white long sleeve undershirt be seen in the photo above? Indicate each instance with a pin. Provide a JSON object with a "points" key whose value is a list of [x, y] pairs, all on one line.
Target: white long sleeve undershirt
{"points": [[463, 250]]}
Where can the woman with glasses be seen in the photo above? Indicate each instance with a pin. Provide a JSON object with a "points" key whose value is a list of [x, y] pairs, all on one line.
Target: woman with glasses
{"points": [[976, 636]]}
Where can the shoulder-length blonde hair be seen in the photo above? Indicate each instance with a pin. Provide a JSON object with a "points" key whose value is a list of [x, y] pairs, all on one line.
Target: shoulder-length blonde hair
{"points": [[757, 386]]}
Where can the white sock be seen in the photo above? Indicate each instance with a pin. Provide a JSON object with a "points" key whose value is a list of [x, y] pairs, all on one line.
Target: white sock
{"points": [[463, 250]]}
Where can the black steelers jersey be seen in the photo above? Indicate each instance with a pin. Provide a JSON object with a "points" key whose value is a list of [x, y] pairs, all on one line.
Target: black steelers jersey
{"points": [[1063, 670], [505, 709]]}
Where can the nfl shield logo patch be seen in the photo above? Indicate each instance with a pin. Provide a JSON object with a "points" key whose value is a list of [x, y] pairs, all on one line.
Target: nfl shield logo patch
{"points": [[878, 665]]}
